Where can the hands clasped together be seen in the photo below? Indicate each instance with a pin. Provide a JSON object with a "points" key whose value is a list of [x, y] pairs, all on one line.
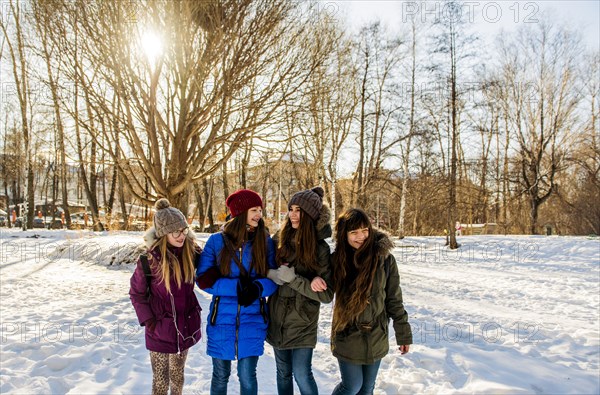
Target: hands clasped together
{"points": [[286, 274]]}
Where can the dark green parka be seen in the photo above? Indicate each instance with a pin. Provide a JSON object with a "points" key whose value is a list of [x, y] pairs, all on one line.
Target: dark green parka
{"points": [[368, 340], [294, 308]]}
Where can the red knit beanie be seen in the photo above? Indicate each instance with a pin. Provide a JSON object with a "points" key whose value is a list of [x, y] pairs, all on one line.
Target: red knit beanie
{"points": [[242, 200]]}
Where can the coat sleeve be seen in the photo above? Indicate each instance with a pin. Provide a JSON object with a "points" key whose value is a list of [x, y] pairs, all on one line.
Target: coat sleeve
{"points": [[394, 304], [137, 294], [223, 286], [302, 284], [267, 286]]}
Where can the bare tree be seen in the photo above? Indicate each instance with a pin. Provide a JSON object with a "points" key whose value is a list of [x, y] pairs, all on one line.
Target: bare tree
{"points": [[379, 56], [486, 120], [331, 103], [224, 70], [411, 128], [582, 182], [43, 19], [452, 42], [542, 104], [13, 29]]}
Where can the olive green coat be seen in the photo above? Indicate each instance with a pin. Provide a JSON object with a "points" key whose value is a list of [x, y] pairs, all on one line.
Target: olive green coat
{"points": [[294, 307], [368, 340]]}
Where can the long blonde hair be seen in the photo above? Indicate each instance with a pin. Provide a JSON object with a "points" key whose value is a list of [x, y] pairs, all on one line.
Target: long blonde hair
{"points": [[169, 263]]}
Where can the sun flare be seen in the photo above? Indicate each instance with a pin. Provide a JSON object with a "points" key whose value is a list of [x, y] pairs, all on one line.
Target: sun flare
{"points": [[152, 45]]}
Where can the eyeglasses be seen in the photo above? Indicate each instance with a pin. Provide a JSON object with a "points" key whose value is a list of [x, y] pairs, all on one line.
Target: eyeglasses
{"points": [[178, 233]]}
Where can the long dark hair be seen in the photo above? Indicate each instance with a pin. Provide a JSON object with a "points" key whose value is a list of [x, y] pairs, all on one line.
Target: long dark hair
{"points": [[236, 231], [353, 270], [303, 241]]}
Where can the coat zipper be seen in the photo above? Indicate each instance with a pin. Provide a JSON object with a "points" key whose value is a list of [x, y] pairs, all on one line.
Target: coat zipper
{"points": [[213, 316], [237, 330], [237, 318], [263, 311]]}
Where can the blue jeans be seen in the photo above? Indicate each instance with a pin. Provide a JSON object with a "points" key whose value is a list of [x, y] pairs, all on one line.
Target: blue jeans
{"points": [[246, 370], [298, 362], [357, 379]]}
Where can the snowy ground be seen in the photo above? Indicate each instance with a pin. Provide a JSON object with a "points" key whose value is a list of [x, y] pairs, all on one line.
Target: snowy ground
{"points": [[513, 315]]}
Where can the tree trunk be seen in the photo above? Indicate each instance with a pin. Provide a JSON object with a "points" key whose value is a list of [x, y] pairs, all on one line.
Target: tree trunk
{"points": [[9, 224], [224, 177], [208, 190], [60, 131], [454, 104], [124, 214], [17, 53], [533, 216], [200, 206], [505, 190], [357, 192], [411, 129]]}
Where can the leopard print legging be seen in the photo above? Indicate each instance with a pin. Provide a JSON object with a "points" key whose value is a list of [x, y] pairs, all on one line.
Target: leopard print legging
{"points": [[167, 368]]}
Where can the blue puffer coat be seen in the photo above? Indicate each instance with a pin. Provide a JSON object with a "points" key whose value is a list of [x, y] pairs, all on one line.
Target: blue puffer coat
{"points": [[234, 331]]}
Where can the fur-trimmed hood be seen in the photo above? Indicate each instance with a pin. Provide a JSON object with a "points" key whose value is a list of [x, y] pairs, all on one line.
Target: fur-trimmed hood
{"points": [[150, 236], [383, 243], [323, 224]]}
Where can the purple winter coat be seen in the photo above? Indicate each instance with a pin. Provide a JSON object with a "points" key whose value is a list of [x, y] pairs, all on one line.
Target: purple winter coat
{"points": [[176, 329]]}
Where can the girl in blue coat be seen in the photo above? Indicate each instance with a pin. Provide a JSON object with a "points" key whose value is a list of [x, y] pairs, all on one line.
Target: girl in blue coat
{"points": [[233, 268]]}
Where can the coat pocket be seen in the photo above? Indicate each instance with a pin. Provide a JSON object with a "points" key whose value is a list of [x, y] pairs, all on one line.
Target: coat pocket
{"points": [[193, 321], [307, 309]]}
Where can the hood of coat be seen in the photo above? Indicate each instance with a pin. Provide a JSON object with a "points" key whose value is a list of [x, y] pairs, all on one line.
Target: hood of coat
{"points": [[323, 224], [383, 243], [150, 237]]}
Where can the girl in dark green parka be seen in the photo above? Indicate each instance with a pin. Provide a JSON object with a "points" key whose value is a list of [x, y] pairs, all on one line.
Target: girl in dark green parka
{"points": [[367, 296], [303, 257]]}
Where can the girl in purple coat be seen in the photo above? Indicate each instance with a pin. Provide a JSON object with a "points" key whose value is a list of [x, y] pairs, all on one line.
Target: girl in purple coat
{"points": [[170, 311]]}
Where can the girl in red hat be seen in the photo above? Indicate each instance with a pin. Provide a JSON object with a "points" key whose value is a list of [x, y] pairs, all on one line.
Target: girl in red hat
{"points": [[233, 268]]}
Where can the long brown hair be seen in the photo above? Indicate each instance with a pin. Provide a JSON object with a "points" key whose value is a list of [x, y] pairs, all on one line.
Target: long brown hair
{"points": [[236, 231], [302, 240], [353, 270], [169, 263]]}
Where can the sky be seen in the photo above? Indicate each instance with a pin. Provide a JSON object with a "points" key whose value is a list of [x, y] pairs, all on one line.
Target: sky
{"points": [[488, 17], [484, 19]]}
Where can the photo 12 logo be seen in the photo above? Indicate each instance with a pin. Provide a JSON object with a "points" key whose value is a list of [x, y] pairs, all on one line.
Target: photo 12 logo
{"points": [[38, 92], [472, 332], [470, 11], [70, 332]]}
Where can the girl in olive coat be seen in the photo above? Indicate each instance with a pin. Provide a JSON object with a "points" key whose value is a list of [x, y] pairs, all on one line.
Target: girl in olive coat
{"points": [[368, 295], [303, 257]]}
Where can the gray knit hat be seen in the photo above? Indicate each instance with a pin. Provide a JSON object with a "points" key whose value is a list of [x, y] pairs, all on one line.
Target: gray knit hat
{"points": [[309, 200], [167, 219]]}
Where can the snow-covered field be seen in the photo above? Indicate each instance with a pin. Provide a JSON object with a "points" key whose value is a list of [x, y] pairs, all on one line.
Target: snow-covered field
{"points": [[512, 315]]}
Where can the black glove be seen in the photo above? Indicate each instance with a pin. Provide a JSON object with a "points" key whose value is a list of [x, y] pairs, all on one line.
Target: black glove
{"points": [[248, 291]]}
